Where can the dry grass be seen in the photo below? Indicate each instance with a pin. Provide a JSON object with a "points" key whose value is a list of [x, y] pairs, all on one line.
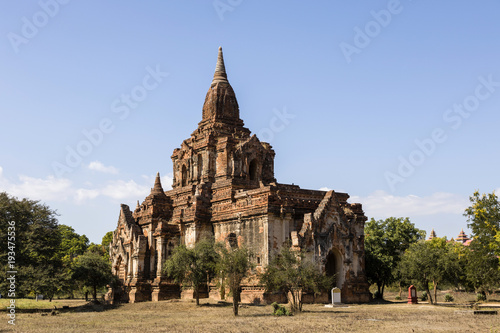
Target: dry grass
{"points": [[24, 304], [184, 316]]}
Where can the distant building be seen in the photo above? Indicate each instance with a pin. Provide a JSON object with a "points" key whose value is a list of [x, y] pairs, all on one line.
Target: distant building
{"points": [[224, 187], [432, 235], [461, 238]]}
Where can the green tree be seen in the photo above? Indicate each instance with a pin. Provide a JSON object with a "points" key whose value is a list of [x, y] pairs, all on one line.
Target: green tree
{"points": [[72, 245], [482, 269], [433, 261], [100, 249], [385, 243], [456, 263], [106, 241], [192, 267], [483, 217], [47, 279], [34, 243], [290, 272], [232, 267], [93, 270]]}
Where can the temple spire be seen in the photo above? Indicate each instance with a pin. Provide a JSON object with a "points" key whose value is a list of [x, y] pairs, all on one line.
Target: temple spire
{"points": [[220, 74], [157, 187], [221, 106]]}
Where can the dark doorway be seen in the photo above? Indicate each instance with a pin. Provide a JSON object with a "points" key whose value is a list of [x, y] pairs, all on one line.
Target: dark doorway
{"points": [[252, 170], [232, 240], [184, 176], [331, 264], [333, 268], [200, 166]]}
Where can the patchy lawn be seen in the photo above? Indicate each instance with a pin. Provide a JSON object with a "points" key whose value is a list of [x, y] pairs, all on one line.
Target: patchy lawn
{"points": [[31, 304], [185, 316]]}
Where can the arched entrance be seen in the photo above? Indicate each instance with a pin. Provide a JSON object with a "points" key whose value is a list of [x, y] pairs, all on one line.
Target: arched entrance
{"points": [[333, 266]]}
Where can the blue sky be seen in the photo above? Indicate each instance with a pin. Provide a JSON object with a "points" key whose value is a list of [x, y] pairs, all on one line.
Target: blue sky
{"points": [[395, 102]]}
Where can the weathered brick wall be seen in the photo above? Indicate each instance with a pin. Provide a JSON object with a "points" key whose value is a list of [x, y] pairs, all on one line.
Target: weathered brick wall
{"points": [[250, 232]]}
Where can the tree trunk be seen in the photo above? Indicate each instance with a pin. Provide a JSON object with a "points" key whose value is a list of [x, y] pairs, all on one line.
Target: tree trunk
{"points": [[435, 292], [299, 299], [236, 299], [400, 289], [94, 293], [197, 296], [222, 289], [429, 295], [291, 300], [382, 294], [86, 296]]}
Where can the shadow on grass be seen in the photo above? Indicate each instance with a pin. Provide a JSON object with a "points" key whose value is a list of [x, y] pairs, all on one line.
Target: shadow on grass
{"points": [[219, 304], [384, 301], [470, 305], [93, 307], [455, 305], [323, 311], [255, 315], [88, 307]]}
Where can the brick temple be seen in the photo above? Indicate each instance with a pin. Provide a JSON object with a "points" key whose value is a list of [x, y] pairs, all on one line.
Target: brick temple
{"points": [[224, 186]]}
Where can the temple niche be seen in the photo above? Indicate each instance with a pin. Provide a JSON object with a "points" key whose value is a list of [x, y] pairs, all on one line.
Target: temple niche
{"points": [[224, 186]]}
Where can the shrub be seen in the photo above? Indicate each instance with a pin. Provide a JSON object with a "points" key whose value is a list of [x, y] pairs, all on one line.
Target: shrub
{"points": [[424, 296], [448, 298], [279, 310], [398, 298], [480, 297]]}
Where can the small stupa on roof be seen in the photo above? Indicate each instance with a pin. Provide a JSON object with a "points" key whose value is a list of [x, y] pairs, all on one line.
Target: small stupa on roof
{"points": [[462, 237], [432, 235]]}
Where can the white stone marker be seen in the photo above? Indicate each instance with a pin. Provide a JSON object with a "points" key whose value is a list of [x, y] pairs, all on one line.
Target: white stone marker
{"points": [[336, 296]]}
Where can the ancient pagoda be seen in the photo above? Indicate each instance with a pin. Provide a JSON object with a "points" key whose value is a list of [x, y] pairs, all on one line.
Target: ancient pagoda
{"points": [[224, 187]]}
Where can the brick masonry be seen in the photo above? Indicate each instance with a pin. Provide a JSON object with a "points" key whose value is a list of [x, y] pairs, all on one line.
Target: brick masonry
{"points": [[224, 186]]}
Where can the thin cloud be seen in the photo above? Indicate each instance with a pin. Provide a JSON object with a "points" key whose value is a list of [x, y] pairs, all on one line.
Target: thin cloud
{"points": [[381, 204], [83, 194], [49, 188], [98, 166], [121, 189], [62, 189]]}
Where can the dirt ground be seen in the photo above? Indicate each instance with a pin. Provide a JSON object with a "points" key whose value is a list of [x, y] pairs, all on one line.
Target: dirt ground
{"points": [[212, 316]]}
